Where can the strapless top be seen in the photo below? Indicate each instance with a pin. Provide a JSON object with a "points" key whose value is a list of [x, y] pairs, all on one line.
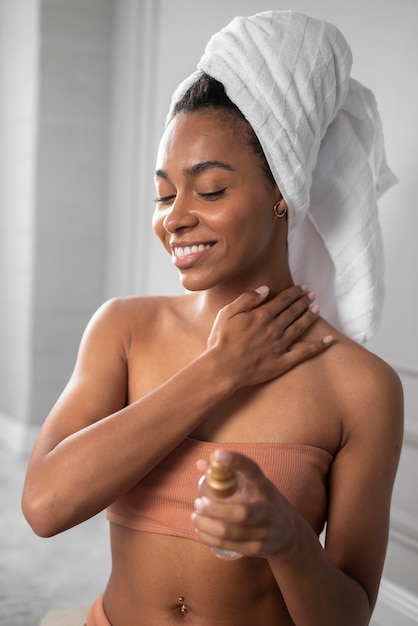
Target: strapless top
{"points": [[163, 500]]}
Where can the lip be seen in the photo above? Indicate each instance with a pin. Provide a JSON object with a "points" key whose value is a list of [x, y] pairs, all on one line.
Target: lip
{"points": [[185, 255]]}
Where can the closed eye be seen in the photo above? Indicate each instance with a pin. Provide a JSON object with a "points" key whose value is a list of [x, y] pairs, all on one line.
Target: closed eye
{"points": [[165, 199], [213, 195], [210, 195]]}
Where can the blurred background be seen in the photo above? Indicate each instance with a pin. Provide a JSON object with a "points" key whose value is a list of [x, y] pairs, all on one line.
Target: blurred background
{"points": [[84, 90]]}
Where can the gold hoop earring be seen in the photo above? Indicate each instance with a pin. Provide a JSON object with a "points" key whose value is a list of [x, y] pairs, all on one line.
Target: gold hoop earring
{"points": [[276, 206]]}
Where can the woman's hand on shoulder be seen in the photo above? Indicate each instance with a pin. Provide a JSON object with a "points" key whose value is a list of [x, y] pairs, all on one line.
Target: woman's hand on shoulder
{"points": [[253, 334]]}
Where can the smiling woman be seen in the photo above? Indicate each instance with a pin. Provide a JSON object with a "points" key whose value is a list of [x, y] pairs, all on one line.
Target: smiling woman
{"points": [[214, 194], [241, 368]]}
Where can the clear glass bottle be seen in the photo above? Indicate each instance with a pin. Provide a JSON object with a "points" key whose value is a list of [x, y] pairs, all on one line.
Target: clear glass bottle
{"points": [[221, 482]]}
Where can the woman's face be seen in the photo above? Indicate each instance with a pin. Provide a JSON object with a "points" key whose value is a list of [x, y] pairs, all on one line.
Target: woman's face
{"points": [[214, 211]]}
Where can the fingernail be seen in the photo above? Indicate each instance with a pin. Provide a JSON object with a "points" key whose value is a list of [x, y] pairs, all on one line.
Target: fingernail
{"points": [[315, 309], [328, 339], [262, 290], [200, 503], [311, 295], [224, 456]]}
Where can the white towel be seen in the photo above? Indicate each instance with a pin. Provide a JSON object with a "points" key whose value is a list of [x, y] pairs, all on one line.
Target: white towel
{"points": [[321, 132]]}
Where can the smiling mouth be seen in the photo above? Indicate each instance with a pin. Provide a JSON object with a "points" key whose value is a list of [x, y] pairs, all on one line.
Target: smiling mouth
{"points": [[182, 251]]}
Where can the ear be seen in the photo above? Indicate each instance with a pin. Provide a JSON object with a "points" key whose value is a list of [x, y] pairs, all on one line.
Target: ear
{"points": [[277, 194], [280, 209]]}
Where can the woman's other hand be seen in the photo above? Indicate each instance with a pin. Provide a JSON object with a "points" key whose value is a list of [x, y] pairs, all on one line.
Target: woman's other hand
{"points": [[258, 527]]}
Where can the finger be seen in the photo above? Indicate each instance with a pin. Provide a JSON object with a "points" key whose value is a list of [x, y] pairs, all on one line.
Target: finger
{"points": [[298, 316], [239, 462], [292, 323], [234, 514], [221, 511], [251, 537], [303, 352], [217, 537], [202, 465], [214, 530], [247, 301], [294, 301]]}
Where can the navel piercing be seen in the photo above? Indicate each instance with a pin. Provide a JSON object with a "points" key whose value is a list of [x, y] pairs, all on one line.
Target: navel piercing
{"points": [[275, 209], [183, 607]]}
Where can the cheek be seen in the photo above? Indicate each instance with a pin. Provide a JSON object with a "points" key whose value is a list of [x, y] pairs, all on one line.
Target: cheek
{"points": [[253, 221], [158, 227], [155, 222]]}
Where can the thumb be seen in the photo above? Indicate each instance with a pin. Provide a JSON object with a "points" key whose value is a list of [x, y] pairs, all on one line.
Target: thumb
{"points": [[249, 468]]}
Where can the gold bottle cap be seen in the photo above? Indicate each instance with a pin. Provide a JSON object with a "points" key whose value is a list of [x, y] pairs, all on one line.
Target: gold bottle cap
{"points": [[221, 479]]}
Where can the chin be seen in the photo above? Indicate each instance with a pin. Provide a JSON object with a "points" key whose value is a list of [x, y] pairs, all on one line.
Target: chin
{"points": [[195, 286], [197, 283]]}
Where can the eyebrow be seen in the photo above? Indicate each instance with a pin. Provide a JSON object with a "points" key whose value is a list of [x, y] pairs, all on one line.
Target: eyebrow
{"points": [[198, 168]]}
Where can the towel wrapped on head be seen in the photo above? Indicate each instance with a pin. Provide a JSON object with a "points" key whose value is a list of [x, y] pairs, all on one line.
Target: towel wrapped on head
{"points": [[321, 133]]}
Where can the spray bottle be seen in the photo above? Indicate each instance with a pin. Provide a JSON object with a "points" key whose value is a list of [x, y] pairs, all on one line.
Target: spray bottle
{"points": [[221, 482]]}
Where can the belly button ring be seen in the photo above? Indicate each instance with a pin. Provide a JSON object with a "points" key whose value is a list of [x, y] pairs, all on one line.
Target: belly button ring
{"points": [[183, 607]]}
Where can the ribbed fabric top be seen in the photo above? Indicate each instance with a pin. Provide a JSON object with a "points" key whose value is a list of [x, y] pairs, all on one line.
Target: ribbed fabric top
{"points": [[163, 500]]}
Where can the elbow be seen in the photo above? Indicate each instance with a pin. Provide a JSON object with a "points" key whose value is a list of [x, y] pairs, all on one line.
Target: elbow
{"points": [[39, 516]]}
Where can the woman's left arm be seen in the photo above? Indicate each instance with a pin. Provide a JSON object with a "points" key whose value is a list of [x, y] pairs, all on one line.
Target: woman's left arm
{"points": [[338, 584]]}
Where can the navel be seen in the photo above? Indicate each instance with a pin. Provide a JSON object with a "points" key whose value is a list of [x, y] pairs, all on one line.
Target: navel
{"points": [[182, 606]]}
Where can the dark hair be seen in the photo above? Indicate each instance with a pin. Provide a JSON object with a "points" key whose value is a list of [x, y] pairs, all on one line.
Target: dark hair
{"points": [[207, 92]]}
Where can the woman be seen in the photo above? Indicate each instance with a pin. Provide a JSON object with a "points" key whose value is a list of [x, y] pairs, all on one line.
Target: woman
{"points": [[240, 365]]}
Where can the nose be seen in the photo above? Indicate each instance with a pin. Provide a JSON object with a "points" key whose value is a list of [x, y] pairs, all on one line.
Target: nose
{"points": [[179, 216]]}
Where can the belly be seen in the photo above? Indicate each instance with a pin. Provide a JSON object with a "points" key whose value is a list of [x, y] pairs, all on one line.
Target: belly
{"points": [[158, 579]]}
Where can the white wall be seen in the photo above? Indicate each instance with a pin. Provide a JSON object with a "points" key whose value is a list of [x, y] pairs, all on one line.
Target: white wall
{"points": [[55, 86], [71, 194], [19, 45]]}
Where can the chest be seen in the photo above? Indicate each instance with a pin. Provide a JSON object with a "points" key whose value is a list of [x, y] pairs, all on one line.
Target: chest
{"points": [[299, 407]]}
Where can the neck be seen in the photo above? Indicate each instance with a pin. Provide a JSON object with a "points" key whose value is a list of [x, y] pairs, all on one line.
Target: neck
{"points": [[212, 300]]}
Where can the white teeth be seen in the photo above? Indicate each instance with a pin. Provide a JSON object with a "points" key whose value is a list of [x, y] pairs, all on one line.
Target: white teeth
{"points": [[180, 252]]}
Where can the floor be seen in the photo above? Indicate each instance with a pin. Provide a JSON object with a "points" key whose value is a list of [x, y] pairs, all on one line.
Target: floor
{"points": [[37, 574]]}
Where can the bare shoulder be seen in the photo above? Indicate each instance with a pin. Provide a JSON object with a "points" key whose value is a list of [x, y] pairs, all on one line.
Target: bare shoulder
{"points": [[134, 306], [368, 388], [130, 313], [361, 367], [370, 397]]}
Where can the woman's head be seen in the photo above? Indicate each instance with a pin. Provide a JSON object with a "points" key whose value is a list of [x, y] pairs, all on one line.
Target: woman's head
{"points": [[216, 197]]}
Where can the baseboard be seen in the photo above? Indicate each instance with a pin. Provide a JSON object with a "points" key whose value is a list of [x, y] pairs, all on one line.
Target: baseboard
{"points": [[15, 436], [395, 606]]}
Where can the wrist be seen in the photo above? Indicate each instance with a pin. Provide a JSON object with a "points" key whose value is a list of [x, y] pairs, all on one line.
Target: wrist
{"points": [[293, 541], [220, 376]]}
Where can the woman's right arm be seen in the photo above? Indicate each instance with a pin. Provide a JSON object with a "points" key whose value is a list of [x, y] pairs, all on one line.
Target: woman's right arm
{"points": [[92, 448]]}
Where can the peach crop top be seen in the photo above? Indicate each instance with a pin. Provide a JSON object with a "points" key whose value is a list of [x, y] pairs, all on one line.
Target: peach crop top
{"points": [[163, 500]]}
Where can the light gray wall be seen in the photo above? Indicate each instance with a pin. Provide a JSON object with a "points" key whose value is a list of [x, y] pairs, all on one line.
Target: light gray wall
{"points": [[19, 81], [56, 66], [71, 193]]}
